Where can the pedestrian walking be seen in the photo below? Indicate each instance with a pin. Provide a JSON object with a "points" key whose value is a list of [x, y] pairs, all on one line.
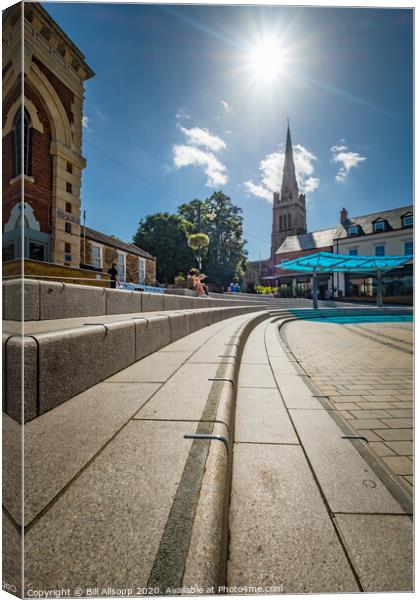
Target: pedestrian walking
{"points": [[113, 272]]}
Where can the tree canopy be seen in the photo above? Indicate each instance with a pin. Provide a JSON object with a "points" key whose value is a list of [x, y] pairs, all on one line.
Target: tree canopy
{"points": [[166, 237]]}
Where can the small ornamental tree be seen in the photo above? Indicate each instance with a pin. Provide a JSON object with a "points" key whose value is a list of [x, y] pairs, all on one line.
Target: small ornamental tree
{"points": [[198, 241]]}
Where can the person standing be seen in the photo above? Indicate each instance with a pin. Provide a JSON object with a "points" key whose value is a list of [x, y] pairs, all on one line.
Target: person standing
{"points": [[113, 272]]}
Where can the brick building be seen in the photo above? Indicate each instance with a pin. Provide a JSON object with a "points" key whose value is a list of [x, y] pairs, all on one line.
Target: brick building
{"points": [[98, 251], [51, 119], [42, 142]]}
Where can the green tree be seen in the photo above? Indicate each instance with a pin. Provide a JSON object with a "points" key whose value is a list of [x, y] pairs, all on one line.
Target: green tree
{"points": [[165, 236], [217, 217]]}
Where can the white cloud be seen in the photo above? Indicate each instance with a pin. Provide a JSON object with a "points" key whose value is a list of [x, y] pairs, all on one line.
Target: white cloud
{"points": [[225, 105], [346, 159], [184, 156], [181, 114], [197, 136], [271, 168], [192, 154], [259, 190], [85, 122]]}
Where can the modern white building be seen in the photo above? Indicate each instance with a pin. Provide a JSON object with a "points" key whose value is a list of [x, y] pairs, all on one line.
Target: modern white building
{"points": [[385, 233]]}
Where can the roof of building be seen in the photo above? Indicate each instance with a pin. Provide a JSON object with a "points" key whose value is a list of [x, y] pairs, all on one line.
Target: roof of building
{"points": [[110, 240], [314, 239], [325, 237]]}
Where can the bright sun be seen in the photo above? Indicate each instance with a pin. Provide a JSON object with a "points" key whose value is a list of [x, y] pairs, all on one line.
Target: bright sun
{"points": [[266, 59]]}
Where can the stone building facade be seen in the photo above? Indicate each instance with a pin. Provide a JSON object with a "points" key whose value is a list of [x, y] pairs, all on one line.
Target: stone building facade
{"points": [[98, 251], [50, 166]]}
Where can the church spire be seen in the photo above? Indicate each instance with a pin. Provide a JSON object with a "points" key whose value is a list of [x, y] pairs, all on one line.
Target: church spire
{"points": [[289, 187], [289, 207]]}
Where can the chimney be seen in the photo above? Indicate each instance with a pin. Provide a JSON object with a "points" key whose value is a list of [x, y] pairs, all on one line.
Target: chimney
{"points": [[344, 216]]}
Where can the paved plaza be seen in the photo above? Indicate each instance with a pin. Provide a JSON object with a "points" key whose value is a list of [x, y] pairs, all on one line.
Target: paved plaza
{"points": [[366, 372], [212, 462]]}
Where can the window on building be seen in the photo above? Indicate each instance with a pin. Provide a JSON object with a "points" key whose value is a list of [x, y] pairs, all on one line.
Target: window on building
{"points": [[22, 119], [379, 250], [68, 207], [407, 221], [353, 252], [68, 187], [8, 252], [408, 248], [379, 226], [353, 230], [142, 270], [281, 223], [289, 221], [96, 256], [121, 266], [69, 168], [67, 253], [67, 227], [36, 251]]}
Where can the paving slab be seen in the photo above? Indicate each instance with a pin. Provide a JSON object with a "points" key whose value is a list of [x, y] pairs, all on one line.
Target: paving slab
{"points": [[381, 548], [183, 396], [347, 481], [282, 366], [61, 442], [106, 528], [262, 418], [296, 393], [256, 376], [152, 369], [401, 465], [279, 525], [395, 434]]}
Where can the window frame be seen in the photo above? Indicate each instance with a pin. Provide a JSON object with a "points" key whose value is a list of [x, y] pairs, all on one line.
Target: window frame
{"points": [[355, 228], [380, 246], [142, 261], [22, 118], [121, 277], [376, 227], [92, 257], [404, 217], [412, 248], [353, 251]]}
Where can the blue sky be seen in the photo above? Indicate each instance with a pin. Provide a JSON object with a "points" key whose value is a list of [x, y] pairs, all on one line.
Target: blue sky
{"points": [[182, 99]]}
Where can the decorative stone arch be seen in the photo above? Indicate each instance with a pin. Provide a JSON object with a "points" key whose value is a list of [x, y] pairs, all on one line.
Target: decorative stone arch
{"points": [[32, 112], [60, 126], [15, 215]]}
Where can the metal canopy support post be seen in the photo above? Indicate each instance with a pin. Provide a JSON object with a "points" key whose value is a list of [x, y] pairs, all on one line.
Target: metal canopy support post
{"points": [[379, 288], [315, 289]]}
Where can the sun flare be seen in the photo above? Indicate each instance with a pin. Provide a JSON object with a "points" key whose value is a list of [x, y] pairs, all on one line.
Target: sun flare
{"points": [[266, 59]]}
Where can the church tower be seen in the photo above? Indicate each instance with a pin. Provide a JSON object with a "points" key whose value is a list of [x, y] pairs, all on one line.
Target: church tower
{"points": [[289, 207]]}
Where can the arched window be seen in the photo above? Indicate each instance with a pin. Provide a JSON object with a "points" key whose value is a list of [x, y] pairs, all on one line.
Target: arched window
{"points": [[280, 223], [22, 118], [289, 218]]}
